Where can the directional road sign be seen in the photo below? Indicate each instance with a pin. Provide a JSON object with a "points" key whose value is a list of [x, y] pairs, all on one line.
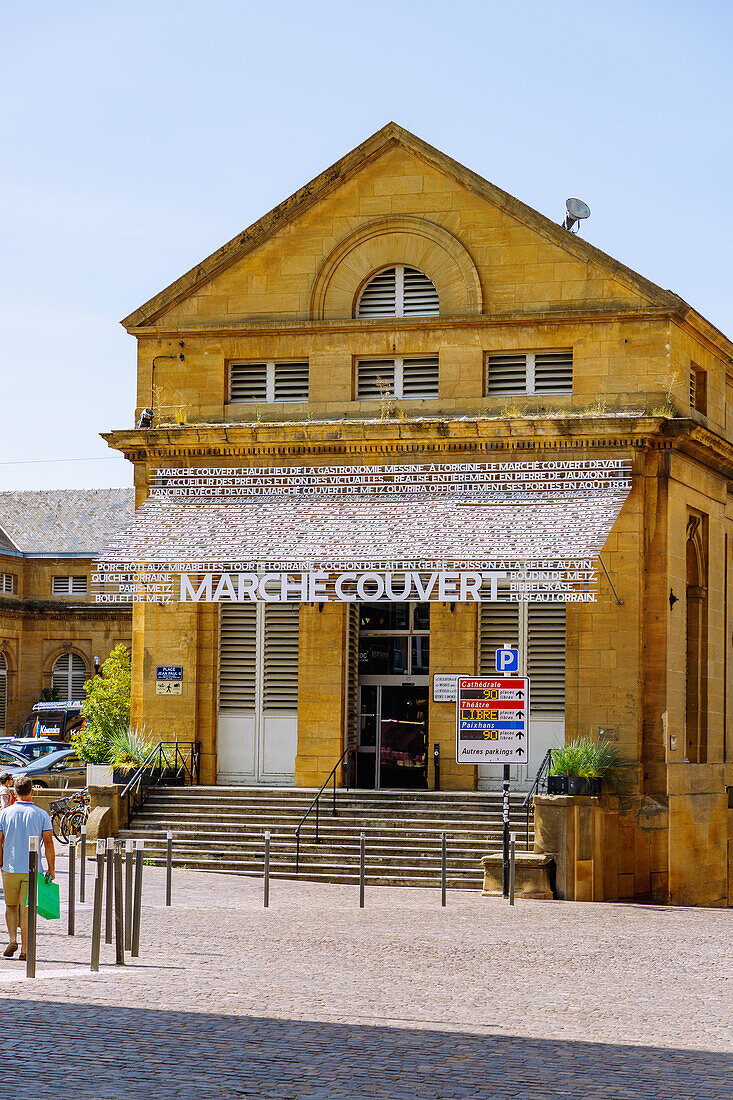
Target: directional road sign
{"points": [[492, 720]]}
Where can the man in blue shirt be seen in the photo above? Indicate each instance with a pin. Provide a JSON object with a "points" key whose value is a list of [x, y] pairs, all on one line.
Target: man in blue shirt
{"points": [[18, 823]]}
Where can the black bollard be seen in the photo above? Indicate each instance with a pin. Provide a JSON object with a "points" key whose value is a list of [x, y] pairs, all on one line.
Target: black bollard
{"points": [[128, 894], [361, 871], [512, 855], [119, 932], [97, 906], [30, 946], [83, 863], [267, 870], [109, 886], [137, 898], [72, 887], [168, 867], [442, 868]]}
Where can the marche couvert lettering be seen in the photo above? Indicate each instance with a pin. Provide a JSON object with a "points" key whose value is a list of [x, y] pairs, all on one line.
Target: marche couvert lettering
{"points": [[450, 532]]}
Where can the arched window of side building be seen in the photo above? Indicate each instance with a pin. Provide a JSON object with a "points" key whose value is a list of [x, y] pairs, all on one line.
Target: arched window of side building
{"points": [[398, 291], [68, 675]]}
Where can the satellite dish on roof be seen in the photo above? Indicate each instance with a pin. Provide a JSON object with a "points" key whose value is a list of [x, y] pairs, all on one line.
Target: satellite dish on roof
{"points": [[575, 210]]}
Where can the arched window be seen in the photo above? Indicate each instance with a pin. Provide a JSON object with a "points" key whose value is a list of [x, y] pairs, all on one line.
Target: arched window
{"points": [[398, 292], [3, 693], [696, 672], [68, 675]]}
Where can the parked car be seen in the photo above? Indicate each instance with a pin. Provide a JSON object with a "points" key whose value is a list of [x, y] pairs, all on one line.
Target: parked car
{"points": [[11, 758], [55, 769], [33, 748], [56, 721]]}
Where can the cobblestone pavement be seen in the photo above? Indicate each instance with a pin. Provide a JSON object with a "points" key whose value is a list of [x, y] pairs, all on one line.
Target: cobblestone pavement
{"points": [[315, 998]]}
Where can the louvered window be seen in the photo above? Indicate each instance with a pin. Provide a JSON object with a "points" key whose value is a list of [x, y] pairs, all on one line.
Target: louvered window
{"points": [[68, 676], [280, 690], [531, 372], [399, 292], [258, 657], [265, 383], [412, 379], [698, 389], [8, 582], [238, 657], [538, 630], [546, 656], [66, 586], [3, 693]]}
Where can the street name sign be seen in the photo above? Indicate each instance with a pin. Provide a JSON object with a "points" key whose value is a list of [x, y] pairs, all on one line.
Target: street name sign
{"points": [[492, 720], [169, 680]]}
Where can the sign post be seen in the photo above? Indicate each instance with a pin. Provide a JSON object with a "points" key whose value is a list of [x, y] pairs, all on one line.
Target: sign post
{"points": [[492, 727], [169, 680]]}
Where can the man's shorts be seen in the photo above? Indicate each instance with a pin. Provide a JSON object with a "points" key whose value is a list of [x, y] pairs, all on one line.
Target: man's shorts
{"points": [[15, 887]]}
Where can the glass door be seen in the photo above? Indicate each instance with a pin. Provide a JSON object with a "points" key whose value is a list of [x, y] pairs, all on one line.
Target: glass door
{"points": [[394, 652]]}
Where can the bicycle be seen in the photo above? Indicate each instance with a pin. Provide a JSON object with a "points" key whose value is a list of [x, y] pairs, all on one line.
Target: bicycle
{"points": [[58, 811], [75, 816]]}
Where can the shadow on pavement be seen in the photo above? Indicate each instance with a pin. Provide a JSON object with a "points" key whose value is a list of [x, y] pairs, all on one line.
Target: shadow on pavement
{"points": [[95, 1052]]}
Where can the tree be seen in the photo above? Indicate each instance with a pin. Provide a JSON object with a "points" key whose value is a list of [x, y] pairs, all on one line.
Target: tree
{"points": [[106, 708]]}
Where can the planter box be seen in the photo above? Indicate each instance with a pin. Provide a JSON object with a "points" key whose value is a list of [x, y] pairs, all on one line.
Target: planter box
{"points": [[573, 784], [99, 775]]}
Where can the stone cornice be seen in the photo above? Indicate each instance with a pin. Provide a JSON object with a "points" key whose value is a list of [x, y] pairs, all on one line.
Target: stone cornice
{"points": [[457, 438], [46, 609]]}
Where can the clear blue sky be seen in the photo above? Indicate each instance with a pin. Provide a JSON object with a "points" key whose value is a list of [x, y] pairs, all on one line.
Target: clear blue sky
{"points": [[138, 137]]}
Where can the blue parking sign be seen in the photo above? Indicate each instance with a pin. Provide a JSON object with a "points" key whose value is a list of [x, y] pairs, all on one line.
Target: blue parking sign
{"points": [[507, 660]]}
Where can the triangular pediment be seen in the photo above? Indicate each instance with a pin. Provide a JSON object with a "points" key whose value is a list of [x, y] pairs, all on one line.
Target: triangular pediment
{"points": [[268, 270]]}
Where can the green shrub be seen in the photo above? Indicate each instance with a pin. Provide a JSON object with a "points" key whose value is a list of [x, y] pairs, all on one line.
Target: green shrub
{"points": [[129, 749], [585, 758], [106, 709]]}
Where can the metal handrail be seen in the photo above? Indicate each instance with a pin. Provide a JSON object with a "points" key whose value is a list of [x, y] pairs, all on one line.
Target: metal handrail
{"points": [[315, 802], [539, 779], [166, 762]]}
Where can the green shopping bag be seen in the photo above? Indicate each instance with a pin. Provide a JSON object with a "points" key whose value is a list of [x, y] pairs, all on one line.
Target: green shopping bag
{"points": [[49, 899]]}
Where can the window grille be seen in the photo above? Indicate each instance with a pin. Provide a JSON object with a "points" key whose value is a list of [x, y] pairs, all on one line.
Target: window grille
{"points": [[399, 292], [698, 389], [280, 690], [265, 383], [238, 657], [7, 582], [65, 586], [538, 631], [529, 372], [68, 675], [413, 378]]}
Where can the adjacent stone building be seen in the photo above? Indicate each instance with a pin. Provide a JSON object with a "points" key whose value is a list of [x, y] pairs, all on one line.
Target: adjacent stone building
{"points": [[51, 630], [397, 309]]}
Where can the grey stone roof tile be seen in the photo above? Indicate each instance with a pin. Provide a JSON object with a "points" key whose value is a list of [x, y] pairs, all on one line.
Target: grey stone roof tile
{"points": [[63, 521]]}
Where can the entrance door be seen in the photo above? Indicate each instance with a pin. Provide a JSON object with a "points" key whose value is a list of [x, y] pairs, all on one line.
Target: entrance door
{"points": [[393, 736], [394, 645]]}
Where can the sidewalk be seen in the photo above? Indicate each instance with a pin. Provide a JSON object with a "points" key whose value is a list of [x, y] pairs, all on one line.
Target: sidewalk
{"points": [[316, 998]]}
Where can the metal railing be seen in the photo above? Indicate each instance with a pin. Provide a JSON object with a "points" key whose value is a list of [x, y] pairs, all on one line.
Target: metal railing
{"points": [[345, 755], [170, 762], [539, 781]]}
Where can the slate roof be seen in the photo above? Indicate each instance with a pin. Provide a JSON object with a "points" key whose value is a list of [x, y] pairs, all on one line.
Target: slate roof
{"points": [[63, 521]]}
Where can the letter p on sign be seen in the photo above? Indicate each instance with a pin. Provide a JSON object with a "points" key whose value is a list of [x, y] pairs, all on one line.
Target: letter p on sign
{"points": [[507, 660]]}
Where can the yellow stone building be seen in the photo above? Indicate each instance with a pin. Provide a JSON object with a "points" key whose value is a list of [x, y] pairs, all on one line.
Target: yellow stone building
{"points": [[401, 309], [52, 633]]}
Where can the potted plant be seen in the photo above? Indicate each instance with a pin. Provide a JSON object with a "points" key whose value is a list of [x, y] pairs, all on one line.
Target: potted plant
{"points": [[106, 711], [581, 766], [129, 749]]}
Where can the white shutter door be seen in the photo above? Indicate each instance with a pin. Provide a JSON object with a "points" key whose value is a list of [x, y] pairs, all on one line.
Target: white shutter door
{"points": [[420, 296], [60, 586], [379, 296], [280, 690], [499, 627], [420, 377], [78, 585], [546, 657], [375, 378], [238, 657], [248, 382]]}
